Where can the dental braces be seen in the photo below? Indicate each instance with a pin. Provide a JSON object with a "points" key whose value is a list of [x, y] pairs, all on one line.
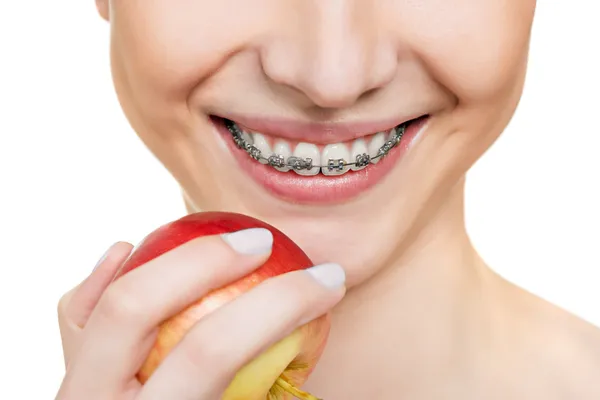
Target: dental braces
{"points": [[299, 164]]}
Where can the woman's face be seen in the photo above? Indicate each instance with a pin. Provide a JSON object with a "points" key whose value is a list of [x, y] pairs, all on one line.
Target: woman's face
{"points": [[319, 79]]}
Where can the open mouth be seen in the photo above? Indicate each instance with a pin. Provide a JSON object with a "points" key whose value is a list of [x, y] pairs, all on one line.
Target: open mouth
{"points": [[292, 167]]}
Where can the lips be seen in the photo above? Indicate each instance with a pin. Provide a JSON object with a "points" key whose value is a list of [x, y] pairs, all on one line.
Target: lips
{"points": [[334, 185], [320, 133]]}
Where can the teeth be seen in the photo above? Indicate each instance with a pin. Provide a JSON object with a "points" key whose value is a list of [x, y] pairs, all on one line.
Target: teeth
{"points": [[307, 150], [320, 159], [358, 147], [261, 143], [335, 152], [282, 148], [375, 144], [391, 134], [247, 137]]}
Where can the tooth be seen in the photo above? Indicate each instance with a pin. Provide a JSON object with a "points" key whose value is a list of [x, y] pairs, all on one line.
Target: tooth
{"points": [[391, 133], [283, 149], [335, 152], [358, 147], [307, 150], [376, 142], [261, 143], [247, 137]]}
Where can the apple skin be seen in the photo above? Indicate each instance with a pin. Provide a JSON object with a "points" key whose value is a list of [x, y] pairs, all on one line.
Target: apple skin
{"points": [[292, 358]]}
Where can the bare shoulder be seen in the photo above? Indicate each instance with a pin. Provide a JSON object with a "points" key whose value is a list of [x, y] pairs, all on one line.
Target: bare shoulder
{"points": [[563, 349], [576, 347]]}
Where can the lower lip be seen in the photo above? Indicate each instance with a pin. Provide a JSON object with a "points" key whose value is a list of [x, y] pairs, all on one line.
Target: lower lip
{"points": [[321, 189]]}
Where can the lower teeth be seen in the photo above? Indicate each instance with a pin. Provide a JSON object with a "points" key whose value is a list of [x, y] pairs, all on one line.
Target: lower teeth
{"points": [[299, 164]]}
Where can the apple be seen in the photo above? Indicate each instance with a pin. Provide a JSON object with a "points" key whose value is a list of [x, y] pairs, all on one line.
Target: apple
{"points": [[278, 372]]}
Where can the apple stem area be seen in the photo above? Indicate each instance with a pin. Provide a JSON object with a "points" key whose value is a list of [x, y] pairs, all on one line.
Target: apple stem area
{"points": [[293, 390]]}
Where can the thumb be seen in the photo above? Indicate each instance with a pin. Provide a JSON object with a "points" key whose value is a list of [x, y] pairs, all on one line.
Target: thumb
{"points": [[81, 300], [76, 306]]}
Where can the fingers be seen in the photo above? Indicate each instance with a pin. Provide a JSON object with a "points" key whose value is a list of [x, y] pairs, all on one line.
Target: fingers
{"points": [[123, 325], [203, 364], [86, 296], [76, 305]]}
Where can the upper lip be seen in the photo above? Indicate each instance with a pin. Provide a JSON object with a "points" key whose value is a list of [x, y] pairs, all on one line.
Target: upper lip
{"points": [[315, 132]]}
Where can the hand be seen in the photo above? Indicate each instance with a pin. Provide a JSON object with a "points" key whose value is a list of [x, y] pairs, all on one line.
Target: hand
{"points": [[108, 327]]}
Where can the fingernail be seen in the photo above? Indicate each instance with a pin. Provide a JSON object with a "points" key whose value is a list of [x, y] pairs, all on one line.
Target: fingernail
{"points": [[250, 241], [330, 275], [103, 258]]}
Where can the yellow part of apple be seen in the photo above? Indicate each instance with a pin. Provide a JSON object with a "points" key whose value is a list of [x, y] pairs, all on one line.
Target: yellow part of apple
{"points": [[260, 379]]}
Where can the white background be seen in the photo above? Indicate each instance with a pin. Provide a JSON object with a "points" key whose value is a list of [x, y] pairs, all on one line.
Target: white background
{"points": [[75, 179]]}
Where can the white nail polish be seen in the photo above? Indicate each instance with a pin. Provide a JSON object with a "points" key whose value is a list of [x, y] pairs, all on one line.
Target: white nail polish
{"points": [[250, 241], [103, 258], [330, 275]]}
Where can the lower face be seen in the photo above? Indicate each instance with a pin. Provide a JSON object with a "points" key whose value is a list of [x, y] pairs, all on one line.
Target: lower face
{"points": [[347, 125]]}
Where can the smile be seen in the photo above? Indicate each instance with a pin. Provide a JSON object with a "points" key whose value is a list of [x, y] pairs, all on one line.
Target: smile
{"points": [[310, 159], [312, 163]]}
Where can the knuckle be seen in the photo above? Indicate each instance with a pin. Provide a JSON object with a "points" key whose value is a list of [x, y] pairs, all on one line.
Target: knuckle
{"points": [[225, 253], [209, 356], [294, 295], [298, 297], [213, 250], [63, 303], [119, 303], [217, 245]]}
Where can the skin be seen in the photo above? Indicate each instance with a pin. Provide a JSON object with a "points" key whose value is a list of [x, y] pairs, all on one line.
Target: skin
{"points": [[423, 317]]}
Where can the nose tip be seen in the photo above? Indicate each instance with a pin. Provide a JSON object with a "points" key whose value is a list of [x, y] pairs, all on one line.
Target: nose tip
{"points": [[331, 83], [338, 86], [334, 64]]}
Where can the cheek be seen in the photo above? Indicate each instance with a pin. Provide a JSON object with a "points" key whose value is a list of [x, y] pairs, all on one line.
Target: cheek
{"points": [[476, 49], [166, 47]]}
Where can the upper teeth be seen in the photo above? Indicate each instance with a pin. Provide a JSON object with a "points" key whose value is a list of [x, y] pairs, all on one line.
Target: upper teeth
{"points": [[307, 159]]}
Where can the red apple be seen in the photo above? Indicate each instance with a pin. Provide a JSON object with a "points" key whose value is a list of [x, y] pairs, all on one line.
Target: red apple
{"points": [[278, 372]]}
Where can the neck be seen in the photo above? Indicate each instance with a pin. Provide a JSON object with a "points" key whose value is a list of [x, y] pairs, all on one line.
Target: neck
{"points": [[438, 262], [415, 313]]}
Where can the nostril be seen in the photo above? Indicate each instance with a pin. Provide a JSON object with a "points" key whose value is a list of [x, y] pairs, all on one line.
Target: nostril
{"points": [[369, 93]]}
